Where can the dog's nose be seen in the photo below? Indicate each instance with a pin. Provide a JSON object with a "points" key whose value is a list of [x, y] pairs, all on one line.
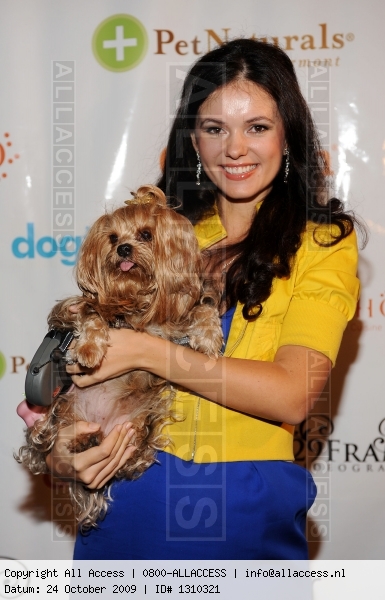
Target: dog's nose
{"points": [[124, 250]]}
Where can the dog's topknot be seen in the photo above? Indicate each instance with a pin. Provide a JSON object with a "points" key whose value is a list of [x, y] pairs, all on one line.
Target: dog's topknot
{"points": [[148, 194]]}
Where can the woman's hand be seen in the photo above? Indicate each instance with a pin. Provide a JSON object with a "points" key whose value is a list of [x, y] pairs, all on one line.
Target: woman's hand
{"points": [[96, 466], [124, 354]]}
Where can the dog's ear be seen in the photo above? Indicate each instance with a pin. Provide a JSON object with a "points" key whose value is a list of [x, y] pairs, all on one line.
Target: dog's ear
{"points": [[91, 258], [150, 194], [178, 265]]}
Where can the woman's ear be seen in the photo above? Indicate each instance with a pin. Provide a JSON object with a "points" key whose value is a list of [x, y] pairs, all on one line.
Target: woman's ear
{"points": [[194, 141]]}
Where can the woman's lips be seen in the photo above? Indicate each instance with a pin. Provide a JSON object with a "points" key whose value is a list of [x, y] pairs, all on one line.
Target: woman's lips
{"points": [[238, 172]]}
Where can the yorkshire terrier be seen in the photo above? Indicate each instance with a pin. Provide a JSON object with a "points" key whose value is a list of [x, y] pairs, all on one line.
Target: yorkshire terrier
{"points": [[139, 267]]}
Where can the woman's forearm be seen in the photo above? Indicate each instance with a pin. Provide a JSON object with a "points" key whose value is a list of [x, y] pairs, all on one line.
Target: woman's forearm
{"points": [[283, 390]]}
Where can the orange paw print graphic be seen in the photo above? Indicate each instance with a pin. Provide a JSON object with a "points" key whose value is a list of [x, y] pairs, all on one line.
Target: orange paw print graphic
{"points": [[6, 155]]}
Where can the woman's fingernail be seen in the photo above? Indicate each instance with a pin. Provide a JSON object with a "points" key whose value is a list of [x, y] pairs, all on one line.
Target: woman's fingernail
{"points": [[93, 426], [128, 425]]}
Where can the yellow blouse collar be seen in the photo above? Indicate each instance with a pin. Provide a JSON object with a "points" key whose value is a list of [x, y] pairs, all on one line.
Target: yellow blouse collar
{"points": [[210, 230]]}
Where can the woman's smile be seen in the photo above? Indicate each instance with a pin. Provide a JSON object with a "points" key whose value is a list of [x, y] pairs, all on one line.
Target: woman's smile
{"points": [[238, 172]]}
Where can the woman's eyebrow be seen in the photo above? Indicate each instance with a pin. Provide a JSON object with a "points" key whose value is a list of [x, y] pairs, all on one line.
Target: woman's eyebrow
{"points": [[211, 120], [260, 118], [220, 122]]}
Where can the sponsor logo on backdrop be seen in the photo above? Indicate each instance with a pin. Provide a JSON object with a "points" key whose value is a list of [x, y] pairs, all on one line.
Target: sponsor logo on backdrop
{"points": [[370, 312], [322, 38], [120, 43], [317, 448], [13, 365], [29, 245], [7, 156]]}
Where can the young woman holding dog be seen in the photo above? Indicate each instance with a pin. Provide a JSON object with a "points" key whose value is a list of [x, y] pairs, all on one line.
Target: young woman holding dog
{"points": [[245, 166]]}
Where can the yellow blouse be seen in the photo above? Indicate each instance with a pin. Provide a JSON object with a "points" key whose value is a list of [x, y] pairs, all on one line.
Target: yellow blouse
{"points": [[310, 308]]}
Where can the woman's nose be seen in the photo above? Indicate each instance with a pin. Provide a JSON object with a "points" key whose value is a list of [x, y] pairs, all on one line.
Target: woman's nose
{"points": [[236, 145]]}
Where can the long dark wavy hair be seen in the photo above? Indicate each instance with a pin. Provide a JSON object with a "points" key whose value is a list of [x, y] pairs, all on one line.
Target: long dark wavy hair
{"points": [[276, 231]]}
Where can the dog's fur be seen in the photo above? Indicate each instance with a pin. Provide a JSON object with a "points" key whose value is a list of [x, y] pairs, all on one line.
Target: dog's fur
{"points": [[139, 267]]}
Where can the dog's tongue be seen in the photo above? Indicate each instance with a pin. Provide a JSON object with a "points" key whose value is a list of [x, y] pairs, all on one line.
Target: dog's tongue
{"points": [[126, 265]]}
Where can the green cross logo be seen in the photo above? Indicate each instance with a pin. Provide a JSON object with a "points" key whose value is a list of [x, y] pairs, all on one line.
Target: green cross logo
{"points": [[120, 43], [3, 364]]}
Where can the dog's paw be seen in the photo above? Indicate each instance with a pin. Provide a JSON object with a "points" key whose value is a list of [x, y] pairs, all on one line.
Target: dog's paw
{"points": [[208, 344], [89, 355], [205, 331]]}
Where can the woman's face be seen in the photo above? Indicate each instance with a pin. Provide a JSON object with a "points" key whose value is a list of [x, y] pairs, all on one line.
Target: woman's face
{"points": [[240, 138]]}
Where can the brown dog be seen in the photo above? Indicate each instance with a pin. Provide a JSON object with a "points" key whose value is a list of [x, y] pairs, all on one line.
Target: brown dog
{"points": [[139, 267]]}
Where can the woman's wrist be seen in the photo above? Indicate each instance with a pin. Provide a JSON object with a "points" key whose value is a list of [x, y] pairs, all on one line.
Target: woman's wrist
{"points": [[153, 354]]}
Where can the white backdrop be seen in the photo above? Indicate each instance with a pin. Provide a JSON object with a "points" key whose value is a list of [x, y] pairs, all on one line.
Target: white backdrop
{"points": [[113, 124]]}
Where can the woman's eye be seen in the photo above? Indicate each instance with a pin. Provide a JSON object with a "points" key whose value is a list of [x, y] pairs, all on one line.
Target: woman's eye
{"points": [[145, 235], [259, 128], [213, 130], [113, 238]]}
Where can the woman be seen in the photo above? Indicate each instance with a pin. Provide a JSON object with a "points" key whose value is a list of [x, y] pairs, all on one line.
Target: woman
{"points": [[244, 164]]}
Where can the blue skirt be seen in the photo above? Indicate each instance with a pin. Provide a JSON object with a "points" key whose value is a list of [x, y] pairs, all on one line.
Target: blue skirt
{"points": [[185, 510]]}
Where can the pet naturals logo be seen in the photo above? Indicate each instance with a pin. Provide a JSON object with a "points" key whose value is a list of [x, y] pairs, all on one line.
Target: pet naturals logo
{"points": [[28, 246], [321, 39], [120, 43]]}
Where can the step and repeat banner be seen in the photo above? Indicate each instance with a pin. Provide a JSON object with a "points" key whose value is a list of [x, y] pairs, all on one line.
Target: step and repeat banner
{"points": [[89, 90]]}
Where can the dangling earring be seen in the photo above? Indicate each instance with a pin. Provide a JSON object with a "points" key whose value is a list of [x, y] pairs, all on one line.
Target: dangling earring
{"points": [[199, 169], [287, 165]]}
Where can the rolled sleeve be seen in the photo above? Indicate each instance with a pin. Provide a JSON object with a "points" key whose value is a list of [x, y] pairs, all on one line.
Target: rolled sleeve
{"points": [[325, 296]]}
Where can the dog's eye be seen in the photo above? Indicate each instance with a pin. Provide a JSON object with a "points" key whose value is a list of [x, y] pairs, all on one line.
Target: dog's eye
{"points": [[145, 235], [113, 238]]}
